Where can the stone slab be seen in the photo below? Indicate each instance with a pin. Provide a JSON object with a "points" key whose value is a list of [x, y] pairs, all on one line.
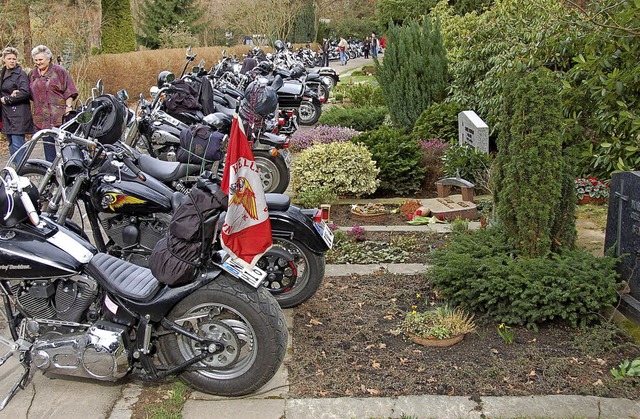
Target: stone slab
{"points": [[340, 408], [441, 407], [451, 207], [234, 409], [541, 407]]}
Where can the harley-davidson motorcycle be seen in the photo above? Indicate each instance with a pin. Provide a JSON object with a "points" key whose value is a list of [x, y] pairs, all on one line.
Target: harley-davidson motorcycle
{"points": [[159, 134], [72, 310], [124, 198]]}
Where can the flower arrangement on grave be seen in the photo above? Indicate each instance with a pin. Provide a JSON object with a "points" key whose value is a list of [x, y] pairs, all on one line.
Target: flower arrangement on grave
{"points": [[591, 186], [444, 323], [368, 209]]}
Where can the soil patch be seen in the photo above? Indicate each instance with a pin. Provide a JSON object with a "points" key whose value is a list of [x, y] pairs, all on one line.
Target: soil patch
{"points": [[341, 216], [346, 343]]}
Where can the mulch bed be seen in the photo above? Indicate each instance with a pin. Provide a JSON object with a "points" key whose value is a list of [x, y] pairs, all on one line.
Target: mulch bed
{"points": [[346, 343], [342, 217]]}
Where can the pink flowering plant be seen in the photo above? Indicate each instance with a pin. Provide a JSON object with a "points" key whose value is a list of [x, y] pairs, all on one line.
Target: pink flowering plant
{"points": [[591, 186], [321, 134]]}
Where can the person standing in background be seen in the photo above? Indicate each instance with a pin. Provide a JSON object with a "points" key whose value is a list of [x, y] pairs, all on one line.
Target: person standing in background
{"points": [[325, 52], [366, 46], [383, 44], [342, 46], [52, 93], [374, 45], [14, 100]]}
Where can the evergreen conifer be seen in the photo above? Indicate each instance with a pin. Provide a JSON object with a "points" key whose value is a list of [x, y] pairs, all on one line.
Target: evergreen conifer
{"points": [[158, 14], [414, 72], [117, 27], [535, 200]]}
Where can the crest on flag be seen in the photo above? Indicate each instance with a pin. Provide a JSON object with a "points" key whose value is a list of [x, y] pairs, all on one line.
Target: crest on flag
{"points": [[246, 232]]}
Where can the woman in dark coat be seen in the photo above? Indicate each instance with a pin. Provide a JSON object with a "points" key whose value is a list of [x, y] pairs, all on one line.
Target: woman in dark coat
{"points": [[14, 99]]}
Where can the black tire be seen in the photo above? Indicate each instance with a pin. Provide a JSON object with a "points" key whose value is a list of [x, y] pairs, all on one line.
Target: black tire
{"points": [[323, 93], [274, 172], [309, 113], [246, 320], [292, 289]]}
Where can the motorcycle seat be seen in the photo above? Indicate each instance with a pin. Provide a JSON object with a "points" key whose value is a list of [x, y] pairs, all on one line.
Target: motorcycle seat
{"points": [[277, 201], [166, 171], [124, 278]]}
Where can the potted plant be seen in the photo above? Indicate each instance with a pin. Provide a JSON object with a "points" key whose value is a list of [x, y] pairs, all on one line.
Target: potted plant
{"points": [[591, 191], [442, 326]]}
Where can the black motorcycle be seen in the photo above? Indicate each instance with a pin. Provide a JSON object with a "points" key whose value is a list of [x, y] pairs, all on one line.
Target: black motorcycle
{"points": [[123, 197], [72, 310]]}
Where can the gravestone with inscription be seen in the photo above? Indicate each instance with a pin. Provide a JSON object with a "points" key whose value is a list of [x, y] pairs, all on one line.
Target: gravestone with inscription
{"points": [[623, 233], [473, 131]]}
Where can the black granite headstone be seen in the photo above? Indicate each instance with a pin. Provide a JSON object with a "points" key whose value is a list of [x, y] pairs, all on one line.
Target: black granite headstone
{"points": [[623, 232]]}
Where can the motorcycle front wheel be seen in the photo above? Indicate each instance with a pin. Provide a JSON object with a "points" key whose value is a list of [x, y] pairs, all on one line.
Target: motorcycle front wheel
{"points": [[248, 323], [294, 276], [309, 113], [273, 171]]}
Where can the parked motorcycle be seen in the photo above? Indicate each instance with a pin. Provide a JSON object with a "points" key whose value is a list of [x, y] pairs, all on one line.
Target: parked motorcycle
{"points": [[72, 310], [123, 196]]}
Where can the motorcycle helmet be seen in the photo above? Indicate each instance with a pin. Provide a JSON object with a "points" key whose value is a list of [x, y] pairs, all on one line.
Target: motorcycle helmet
{"points": [[165, 77], [220, 121], [279, 45], [265, 67], [259, 101], [12, 211], [297, 72], [109, 125]]}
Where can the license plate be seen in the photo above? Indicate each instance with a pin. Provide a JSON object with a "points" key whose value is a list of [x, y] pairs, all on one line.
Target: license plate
{"points": [[287, 157], [327, 235], [253, 277]]}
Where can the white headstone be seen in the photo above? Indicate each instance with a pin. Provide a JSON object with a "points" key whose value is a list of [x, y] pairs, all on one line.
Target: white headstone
{"points": [[473, 131]]}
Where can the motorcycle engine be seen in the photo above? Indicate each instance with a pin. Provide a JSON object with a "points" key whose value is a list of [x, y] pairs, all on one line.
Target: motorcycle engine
{"points": [[100, 352], [135, 237], [60, 299]]}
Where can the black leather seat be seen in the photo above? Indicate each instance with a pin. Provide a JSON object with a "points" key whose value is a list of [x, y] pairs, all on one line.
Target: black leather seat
{"points": [[124, 278]]}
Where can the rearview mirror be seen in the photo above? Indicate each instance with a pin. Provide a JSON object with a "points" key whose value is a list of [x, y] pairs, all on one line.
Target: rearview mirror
{"points": [[123, 95], [84, 117]]}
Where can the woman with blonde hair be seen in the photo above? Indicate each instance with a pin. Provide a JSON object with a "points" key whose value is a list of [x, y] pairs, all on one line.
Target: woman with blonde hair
{"points": [[14, 101], [52, 93]]}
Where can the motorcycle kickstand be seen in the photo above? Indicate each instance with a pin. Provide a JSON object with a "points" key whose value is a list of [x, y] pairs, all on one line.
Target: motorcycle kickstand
{"points": [[19, 385]]}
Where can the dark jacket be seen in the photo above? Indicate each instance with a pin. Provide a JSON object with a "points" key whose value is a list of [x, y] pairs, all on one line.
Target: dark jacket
{"points": [[16, 112]]}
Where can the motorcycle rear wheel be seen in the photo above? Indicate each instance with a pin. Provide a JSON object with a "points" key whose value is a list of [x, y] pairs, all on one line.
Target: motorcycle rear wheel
{"points": [[309, 113], [293, 290], [247, 321], [273, 171]]}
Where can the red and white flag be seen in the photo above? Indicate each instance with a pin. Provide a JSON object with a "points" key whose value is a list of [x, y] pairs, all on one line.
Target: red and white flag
{"points": [[246, 232]]}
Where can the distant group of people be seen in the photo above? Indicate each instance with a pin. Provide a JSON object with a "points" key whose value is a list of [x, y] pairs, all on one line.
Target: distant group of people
{"points": [[370, 44], [49, 87]]}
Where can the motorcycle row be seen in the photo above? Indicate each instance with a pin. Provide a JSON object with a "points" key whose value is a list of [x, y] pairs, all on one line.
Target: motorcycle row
{"points": [[77, 234]]}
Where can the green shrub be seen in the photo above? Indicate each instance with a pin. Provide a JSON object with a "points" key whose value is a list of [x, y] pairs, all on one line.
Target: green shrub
{"points": [[364, 94], [346, 168], [439, 120], [470, 163], [399, 158], [535, 189], [314, 196], [483, 272], [361, 119]]}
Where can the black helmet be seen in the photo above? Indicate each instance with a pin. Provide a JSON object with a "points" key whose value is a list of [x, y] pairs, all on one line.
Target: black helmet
{"points": [[165, 77], [12, 210], [265, 67], [279, 45], [297, 72], [109, 126], [220, 121], [258, 102]]}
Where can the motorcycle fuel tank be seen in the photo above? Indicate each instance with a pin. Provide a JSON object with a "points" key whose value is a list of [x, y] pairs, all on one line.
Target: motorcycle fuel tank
{"points": [[122, 196], [29, 252]]}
